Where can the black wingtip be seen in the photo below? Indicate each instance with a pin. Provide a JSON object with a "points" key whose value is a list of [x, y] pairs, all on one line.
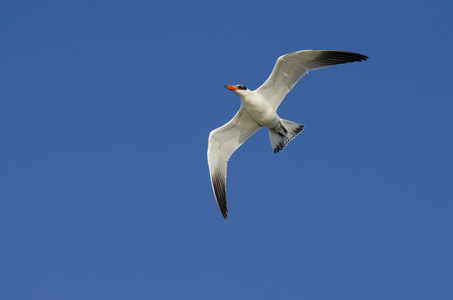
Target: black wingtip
{"points": [[361, 57], [224, 209], [333, 57], [218, 182]]}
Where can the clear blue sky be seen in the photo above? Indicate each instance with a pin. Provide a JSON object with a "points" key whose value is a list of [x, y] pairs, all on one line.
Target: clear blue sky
{"points": [[106, 108]]}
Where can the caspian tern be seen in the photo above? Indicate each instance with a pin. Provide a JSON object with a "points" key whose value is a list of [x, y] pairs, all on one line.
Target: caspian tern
{"points": [[259, 109]]}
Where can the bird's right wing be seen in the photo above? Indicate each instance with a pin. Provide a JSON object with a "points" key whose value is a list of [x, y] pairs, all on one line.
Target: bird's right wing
{"points": [[290, 67], [223, 141]]}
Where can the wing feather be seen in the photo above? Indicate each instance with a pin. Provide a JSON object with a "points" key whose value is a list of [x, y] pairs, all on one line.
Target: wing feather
{"points": [[222, 142], [291, 67]]}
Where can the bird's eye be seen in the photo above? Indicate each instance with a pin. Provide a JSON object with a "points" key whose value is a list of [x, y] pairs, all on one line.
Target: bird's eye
{"points": [[241, 87]]}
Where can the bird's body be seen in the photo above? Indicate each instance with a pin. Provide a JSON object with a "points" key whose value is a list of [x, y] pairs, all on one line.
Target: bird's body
{"points": [[259, 109]]}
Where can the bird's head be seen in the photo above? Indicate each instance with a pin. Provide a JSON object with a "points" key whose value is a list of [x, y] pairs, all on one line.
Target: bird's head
{"points": [[237, 89]]}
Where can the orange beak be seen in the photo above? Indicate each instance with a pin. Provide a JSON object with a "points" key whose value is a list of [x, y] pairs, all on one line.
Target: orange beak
{"points": [[231, 88]]}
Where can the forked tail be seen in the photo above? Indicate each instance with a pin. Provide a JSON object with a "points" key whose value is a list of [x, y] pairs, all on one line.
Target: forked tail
{"points": [[281, 137]]}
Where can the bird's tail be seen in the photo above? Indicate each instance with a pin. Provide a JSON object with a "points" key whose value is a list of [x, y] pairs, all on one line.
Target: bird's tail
{"points": [[281, 137]]}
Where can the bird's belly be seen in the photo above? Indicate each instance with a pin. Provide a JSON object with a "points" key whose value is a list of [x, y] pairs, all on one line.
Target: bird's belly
{"points": [[264, 115]]}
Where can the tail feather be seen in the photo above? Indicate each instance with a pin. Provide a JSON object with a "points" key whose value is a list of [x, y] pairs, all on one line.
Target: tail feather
{"points": [[279, 140]]}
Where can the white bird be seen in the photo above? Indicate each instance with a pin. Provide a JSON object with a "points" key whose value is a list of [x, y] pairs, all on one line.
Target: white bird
{"points": [[259, 109]]}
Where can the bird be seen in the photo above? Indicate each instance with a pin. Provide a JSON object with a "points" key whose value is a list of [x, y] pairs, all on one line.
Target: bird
{"points": [[259, 109]]}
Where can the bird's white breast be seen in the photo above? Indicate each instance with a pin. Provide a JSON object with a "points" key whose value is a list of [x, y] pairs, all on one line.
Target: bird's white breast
{"points": [[260, 110]]}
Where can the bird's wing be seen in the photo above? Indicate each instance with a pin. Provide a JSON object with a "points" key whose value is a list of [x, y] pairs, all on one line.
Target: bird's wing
{"points": [[291, 67], [223, 141]]}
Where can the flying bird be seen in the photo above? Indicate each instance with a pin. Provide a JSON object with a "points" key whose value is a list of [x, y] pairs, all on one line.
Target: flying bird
{"points": [[259, 109]]}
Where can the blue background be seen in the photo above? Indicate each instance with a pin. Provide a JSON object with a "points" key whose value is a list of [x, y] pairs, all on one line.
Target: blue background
{"points": [[106, 107]]}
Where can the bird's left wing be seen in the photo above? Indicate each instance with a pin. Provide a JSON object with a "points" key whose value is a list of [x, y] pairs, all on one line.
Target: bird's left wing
{"points": [[290, 67], [223, 141]]}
